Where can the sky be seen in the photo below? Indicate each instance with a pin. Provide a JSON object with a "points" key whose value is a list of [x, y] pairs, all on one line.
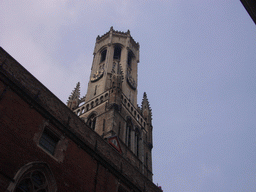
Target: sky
{"points": [[197, 66]]}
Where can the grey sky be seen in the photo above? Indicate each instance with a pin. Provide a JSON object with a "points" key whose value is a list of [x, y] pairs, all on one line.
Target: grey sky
{"points": [[197, 65]]}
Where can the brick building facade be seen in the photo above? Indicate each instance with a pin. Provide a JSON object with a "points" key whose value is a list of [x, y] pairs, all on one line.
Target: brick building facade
{"points": [[45, 146]]}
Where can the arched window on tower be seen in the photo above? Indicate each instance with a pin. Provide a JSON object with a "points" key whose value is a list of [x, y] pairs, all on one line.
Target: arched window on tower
{"points": [[103, 55], [136, 143], [128, 132], [129, 60], [117, 52], [91, 122], [146, 159]]}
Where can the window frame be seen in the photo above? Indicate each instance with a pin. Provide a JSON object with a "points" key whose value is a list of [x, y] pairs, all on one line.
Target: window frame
{"points": [[117, 52], [103, 55], [49, 141], [91, 121], [61, 145], [28, 169], [128, 136]]}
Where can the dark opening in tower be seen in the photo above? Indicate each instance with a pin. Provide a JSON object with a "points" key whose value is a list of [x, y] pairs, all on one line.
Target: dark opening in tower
{"points": [[128, 132], [103, 55], [129, 61], [92, 121], [117, 52]]}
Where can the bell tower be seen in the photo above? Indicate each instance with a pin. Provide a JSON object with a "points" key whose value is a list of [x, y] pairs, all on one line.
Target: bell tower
{"points": [[110, 105], [115, 52]]}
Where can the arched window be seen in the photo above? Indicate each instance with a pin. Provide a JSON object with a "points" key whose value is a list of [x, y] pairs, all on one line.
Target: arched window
{"points": [[136, 143], [129, 60], [146, 159], [82, 111], [103, 127], [33, 181], [103, 55], [128, 132], [92, 104], [34, 177], [119, 130], [101, 99], [91, 122], [117, 52]]}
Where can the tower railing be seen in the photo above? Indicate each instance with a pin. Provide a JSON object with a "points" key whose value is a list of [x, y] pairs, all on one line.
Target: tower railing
{"points": [[87, 106], [135, 113]]}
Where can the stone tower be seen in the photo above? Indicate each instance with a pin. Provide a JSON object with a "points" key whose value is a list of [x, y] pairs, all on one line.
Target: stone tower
{"points": [[110, 105]]}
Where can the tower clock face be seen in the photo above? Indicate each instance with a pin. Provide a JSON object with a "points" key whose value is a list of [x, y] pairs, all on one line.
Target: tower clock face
{"points": [[131, 82], [96, 76]]}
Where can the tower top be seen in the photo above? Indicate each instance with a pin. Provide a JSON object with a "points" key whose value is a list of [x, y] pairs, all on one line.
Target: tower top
{"points": [[113, 32]]}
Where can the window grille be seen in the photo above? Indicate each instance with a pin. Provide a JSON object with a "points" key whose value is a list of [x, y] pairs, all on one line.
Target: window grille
{"points": [[48, 141]]}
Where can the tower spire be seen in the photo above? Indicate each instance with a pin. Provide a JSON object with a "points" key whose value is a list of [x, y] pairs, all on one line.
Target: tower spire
{"points": [[73, 99], [145, 108]]}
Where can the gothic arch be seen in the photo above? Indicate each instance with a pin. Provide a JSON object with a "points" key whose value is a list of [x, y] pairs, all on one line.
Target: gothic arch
{"points": [[102, 49], [34, 177], [117, 51], [137, 141], [91, 120], [118, 45], [130, 57], [103, 55], [129, 128]]}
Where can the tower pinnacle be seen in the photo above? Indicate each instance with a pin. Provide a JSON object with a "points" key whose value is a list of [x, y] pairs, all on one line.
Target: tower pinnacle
{"points": [[73, 99]]}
